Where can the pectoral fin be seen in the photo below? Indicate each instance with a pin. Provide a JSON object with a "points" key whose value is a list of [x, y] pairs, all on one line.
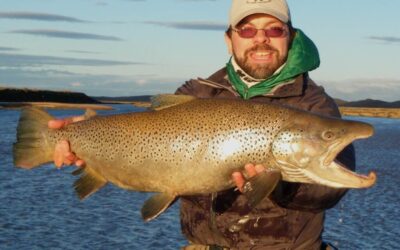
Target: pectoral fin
{"points": [[156, 204], [89, 182], [260, 186]]}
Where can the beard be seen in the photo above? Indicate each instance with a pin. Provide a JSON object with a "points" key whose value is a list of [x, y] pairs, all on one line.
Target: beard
{"points": [[260, 71]]}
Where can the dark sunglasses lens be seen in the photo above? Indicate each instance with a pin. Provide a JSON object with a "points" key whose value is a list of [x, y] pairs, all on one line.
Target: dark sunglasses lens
{"points": [[247, 32], [251, 32], [274, 32]]}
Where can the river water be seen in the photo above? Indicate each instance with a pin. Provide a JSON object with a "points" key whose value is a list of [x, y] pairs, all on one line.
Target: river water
{"points": [[39, 209]]}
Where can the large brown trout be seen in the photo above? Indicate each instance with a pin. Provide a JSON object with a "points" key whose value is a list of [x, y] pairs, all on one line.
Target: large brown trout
{"points": [[190, 146]]}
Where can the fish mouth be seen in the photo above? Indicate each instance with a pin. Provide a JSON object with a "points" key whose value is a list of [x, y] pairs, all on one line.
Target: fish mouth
{"points": [[309, 157], [361, 131], [336, 175], [332, 173]]}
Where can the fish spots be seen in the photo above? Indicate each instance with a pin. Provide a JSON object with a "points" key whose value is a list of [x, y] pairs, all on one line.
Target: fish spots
{"points": [[282, 144], [196, 136]]}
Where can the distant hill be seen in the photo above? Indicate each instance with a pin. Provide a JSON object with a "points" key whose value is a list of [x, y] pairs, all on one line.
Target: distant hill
{"points": [[34, 95], [369, 103], [140, 98], [340, 102]]}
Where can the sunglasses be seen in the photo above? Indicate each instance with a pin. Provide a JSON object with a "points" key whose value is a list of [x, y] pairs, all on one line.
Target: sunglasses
{"points": [[250, 32]]}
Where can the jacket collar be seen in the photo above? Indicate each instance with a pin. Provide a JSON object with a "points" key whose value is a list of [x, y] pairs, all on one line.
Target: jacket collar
{"points": [[295, 87]]}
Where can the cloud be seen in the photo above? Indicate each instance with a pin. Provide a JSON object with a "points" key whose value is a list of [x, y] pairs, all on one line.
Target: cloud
{"points": [[17, 60], [142, 82], [39, 17], [197, 0], [190, 25], [388, 39], [65, 34], [8, 49], [93, 85], [82, 52], [385, 89], [176, 0], [76, 84], [101, 3]]}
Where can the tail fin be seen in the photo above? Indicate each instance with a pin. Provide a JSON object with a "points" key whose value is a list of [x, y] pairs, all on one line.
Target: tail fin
{"points": [[31, 148]]}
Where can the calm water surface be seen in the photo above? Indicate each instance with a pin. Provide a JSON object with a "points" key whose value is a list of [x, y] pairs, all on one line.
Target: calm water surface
{"points": [[39, 209]]}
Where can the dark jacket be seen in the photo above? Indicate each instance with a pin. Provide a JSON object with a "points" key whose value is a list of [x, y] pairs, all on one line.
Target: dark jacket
{"points": [[292, 217]]}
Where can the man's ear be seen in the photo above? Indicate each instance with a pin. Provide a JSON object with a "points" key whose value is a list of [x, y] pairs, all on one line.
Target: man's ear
{"points": [[228, 41]]}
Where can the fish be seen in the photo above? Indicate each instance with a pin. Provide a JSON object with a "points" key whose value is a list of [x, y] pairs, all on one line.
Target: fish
{"points": [[187, 146]]}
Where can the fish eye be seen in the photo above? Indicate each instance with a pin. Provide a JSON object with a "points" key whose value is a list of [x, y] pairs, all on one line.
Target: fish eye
{"points": [[328, 135]]}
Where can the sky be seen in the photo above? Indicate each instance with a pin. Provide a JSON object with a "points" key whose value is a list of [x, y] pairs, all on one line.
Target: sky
{"points": [[141, 47]]}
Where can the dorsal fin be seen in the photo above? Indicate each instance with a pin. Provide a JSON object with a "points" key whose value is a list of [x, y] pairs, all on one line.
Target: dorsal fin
{"points": [[159, 102], [90, 113]]}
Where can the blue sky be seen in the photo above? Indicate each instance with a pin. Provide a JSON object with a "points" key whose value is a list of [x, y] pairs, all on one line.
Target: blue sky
{"points": [[136, 47]]}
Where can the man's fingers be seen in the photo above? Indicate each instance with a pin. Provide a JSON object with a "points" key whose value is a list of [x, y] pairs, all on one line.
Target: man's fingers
{"points": [[250, 169], [60, 123], [239, 180], [259, 168], [62, 153], [59, 153], [80, 163], [69, 158], [64, 156], [56, 124]]}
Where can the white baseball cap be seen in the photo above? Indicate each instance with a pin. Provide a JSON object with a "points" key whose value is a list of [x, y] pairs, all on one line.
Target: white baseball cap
{"points": [[243, 8]]}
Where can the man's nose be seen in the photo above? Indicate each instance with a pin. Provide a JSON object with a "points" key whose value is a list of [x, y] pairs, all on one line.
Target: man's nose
{"points": [[261, 37]]}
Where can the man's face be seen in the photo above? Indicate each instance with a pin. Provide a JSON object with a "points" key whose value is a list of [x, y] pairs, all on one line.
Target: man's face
{"points": [[259, 56]]}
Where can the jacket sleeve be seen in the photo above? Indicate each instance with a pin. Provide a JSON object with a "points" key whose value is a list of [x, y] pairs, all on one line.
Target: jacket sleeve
{"points": [[187, 89], [192, 87], [313, 197]]}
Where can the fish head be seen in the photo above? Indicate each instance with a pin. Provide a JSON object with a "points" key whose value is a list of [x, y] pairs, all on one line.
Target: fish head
{"points": [[306, 149]]}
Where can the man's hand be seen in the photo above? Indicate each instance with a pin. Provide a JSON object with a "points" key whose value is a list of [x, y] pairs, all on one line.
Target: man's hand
{"points": [[63, 154], [251, 170]]}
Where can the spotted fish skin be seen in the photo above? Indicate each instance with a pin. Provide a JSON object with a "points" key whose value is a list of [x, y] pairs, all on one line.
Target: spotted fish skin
{"points": [[194, 146], [166, 150]]}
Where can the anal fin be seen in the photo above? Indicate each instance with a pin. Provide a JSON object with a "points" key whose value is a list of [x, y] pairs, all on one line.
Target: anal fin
{"points": [[156, 204], [89, 182], [261, 185], [78, 171]]}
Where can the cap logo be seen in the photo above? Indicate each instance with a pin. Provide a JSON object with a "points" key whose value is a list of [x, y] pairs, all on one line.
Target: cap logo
{"points": [[258, 1]]}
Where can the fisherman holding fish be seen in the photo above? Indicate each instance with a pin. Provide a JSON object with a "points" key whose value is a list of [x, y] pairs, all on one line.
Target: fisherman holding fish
{"points": [[270, 63]]}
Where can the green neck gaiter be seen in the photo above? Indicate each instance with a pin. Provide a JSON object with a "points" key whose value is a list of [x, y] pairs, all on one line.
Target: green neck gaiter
{"points": [[302, 57]]}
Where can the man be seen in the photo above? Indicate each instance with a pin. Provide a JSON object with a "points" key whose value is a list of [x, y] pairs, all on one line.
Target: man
{"points": [[270, 63]]}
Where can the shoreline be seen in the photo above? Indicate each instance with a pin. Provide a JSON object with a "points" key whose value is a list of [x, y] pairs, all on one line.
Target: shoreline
{"points": [[371, 112], [345, 111], [54, 105]]}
